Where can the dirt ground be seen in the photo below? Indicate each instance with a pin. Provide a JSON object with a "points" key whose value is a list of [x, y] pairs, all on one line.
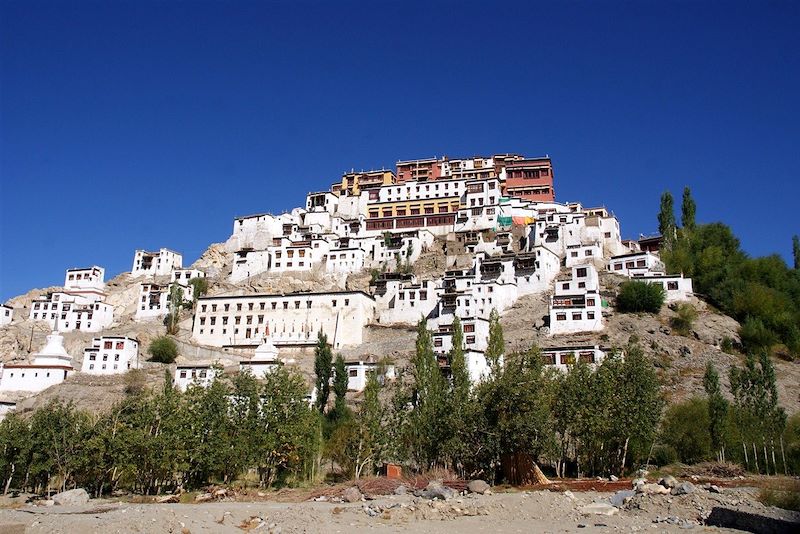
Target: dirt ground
{"points": [[508, 510]]}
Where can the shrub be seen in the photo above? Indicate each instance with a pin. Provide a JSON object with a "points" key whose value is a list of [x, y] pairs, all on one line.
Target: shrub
{"points": [[685, 430], [135, 382], [200, 286], [727, 345], [683, 321], [163, 350], [755, 336], [664, 455], [635, 296]]}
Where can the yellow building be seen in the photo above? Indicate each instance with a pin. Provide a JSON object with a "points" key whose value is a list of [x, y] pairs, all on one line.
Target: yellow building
{"points": [[354, 182]]}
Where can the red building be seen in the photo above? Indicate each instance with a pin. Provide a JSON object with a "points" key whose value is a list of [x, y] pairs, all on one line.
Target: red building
{"points": [[418, 170], [530, 179]]}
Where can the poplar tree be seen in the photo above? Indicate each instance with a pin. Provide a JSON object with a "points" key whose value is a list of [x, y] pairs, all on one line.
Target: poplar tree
{"points": [[688, 210], [496, 343], [796, 251], [666, 217], [458, 365], [323, 359], [340, 380], [717, 410]]}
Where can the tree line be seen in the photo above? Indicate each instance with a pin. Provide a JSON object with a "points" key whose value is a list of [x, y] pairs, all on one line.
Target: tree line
{"points": [[763, 294]]}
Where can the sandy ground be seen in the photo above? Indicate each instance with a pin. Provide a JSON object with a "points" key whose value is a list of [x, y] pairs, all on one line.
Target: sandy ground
{"points": [[512, 511]]}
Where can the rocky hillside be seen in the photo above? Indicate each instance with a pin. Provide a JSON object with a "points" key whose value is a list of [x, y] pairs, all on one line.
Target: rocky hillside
{"points": [[680, 359]]}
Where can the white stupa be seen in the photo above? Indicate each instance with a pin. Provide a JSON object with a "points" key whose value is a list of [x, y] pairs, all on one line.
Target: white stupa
{"points": [[265, 360], [53, 353]]}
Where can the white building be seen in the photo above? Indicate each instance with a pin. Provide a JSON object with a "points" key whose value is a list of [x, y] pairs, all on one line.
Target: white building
{"points": [[197, 374], [51, 366], [676, 287], [86, 278], [154, 299], [562, 358], [401, 299], [6, 314], [576, 305], [357, 374], [182, 276], [6, 407], [265, 360], [159, 263], [293, 319], [111, 355], [83, 310], [635, 264]]}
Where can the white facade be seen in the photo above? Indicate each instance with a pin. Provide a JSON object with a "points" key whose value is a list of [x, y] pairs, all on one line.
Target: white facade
{"points": [[400, 299], [159, 263], [51, 366], [88, 278], [292, 320], [635, 264], [576, 305], [357, 374], [110, 355], [154, 299], [182, 276], [6, 314], [676, 287], [194, 374], [562, 358], [83, 310]]}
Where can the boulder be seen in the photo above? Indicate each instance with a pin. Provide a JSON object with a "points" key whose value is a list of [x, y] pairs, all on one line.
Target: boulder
{"points": [[638, 482], [668, 481], [642, 473], [74, 497], [613, 478], [712, 488], [436, 490], [351, 494], [684, 488], [651, 489], [599, 508], [164, 499], [621, 497], [478, 486], [400, 490]]}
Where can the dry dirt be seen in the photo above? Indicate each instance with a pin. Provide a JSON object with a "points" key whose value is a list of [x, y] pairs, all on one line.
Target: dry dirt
{"points": [[512, 510]]}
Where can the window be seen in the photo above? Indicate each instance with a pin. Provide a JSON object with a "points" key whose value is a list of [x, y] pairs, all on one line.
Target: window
{"points": [[590, 302], [561, 317], [618, 267], [590, 315], [107, 345], [672, 286], [581, 272], [641, 263], [352, 373], [120, 345], [576, 316], [470, 340], [469, 328], [333, 303], [564, 286], [437, 342]]}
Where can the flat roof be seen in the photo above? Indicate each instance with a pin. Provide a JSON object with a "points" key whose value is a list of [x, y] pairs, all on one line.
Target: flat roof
{"points": [[631, 254], [288, 295], [84, 268]]}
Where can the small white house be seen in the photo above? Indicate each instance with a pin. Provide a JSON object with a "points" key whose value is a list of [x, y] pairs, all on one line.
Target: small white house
{"points": [[154, 299], [357, 374], [676, 287], [51, 366], [265, 360], [182, 276], [635, 263], [159, 263], [6, 314], [576, 305], [562, 357], [110, 355], [83, 310], [194, 374], [85, 278]]}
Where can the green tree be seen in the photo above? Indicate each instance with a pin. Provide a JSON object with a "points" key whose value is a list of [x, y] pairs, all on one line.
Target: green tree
{"points": [[176, 305], [666, 217], [717, 411], [14, 451], [685, 428], [796, 251], [425, 433], [340, 380], [688, 210], [496, 343], [199, 288], [515, 406], [323, 360], [163, 350], [636, 296]]}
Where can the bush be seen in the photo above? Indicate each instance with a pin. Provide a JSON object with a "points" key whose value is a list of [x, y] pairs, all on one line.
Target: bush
{"points": [[163, 350], [755, 336], [200, 287], [685, 429], [727, 345], [683, 321], [664, 455], [635, 296]]}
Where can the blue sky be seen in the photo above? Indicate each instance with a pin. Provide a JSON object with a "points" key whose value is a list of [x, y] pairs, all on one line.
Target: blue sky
{"points": [[141, 124]]}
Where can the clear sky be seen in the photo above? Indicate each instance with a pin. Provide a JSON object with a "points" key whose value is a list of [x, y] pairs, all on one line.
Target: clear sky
{"points": [[143, 124]]}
